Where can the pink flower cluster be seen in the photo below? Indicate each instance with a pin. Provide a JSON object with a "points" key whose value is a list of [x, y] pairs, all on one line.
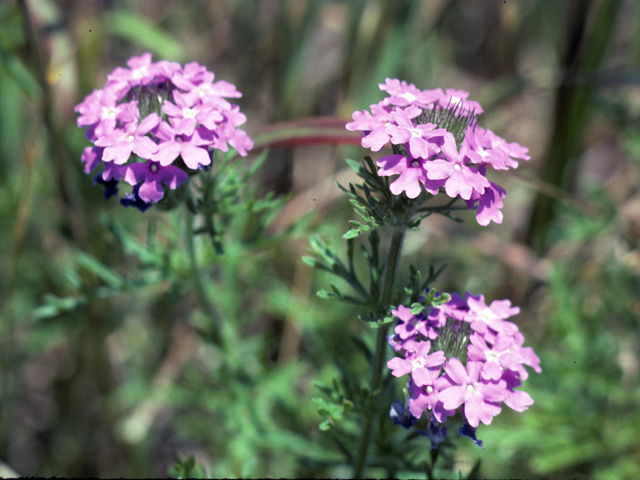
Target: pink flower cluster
{"points": [[149, 115], [441, 383], [434, 154]]}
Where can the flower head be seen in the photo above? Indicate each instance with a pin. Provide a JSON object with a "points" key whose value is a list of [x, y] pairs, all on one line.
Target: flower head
{"points": [[150, 115], [461, 356], [438, 146]]}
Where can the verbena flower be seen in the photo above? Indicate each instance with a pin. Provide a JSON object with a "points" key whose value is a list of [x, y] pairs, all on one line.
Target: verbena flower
{"points": [[438, 146], [467, 430], [434, 432], [423, 366], [481, 398], [401, 416], [463, 356], [156, 123]]}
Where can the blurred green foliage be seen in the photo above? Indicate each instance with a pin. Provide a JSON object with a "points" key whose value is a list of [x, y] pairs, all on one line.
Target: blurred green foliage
{"points": [[109, 317]]}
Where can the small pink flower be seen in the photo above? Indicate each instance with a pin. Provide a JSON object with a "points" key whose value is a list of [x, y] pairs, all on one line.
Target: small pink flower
{"points": [[227, 131], [488, 203], [496, 359], [91, 157], [426, 397], [192, 148], [112, 171], [481, 399], [412, 175], [493, 316], [152, 174], [140, 71], [409, 324], [458, 98], [528, 356], [460, 180], [130, 138], [516, 400], [101, 111], [417, 136], [401, 93], [186, 114], [375, 133], [424, 367]]}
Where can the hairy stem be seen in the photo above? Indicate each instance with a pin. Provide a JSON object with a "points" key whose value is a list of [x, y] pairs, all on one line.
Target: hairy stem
{"points": [[209, 309], [371, 412]]}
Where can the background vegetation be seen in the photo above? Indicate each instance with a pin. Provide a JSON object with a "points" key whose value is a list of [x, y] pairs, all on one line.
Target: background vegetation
{"points": [[106, 369]]}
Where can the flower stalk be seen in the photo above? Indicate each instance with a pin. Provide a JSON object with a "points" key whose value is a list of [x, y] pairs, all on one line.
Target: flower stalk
{"points": [[209, 309], [378, 364]]}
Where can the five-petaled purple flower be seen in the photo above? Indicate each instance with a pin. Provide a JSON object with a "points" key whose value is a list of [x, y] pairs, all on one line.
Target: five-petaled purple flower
{"points": [[152, 174]]}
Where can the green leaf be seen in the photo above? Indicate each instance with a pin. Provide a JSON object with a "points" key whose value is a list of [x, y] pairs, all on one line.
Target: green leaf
{"points": [[54, 305], [351, 234], [377, 323], [324, 294], [137, 29], [416, 308], [310, 261], [20, 74], [326, 425], [92, 264], [353, 164], [188, 468], [441, 300]]}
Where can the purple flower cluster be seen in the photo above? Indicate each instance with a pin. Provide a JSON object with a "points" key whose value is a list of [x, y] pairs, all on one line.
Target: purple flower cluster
{"points": [[149, 115], [429, 347], [438, 145]]}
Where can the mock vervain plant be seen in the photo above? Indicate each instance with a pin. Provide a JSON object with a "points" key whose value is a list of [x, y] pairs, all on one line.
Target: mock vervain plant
{"points": [[462, 356], [154, 125]]}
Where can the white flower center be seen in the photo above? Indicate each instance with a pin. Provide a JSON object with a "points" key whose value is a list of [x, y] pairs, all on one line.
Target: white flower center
{"points": [[130, 138], [417, 363], [108, 113], [429, 389], [140, 72], [188, 113], [470, 389], [204, 89], [457, 167]]}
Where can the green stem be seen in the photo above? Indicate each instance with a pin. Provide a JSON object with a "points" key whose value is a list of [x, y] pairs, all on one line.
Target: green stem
{"points": [[209, 309], [371, 413]]}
